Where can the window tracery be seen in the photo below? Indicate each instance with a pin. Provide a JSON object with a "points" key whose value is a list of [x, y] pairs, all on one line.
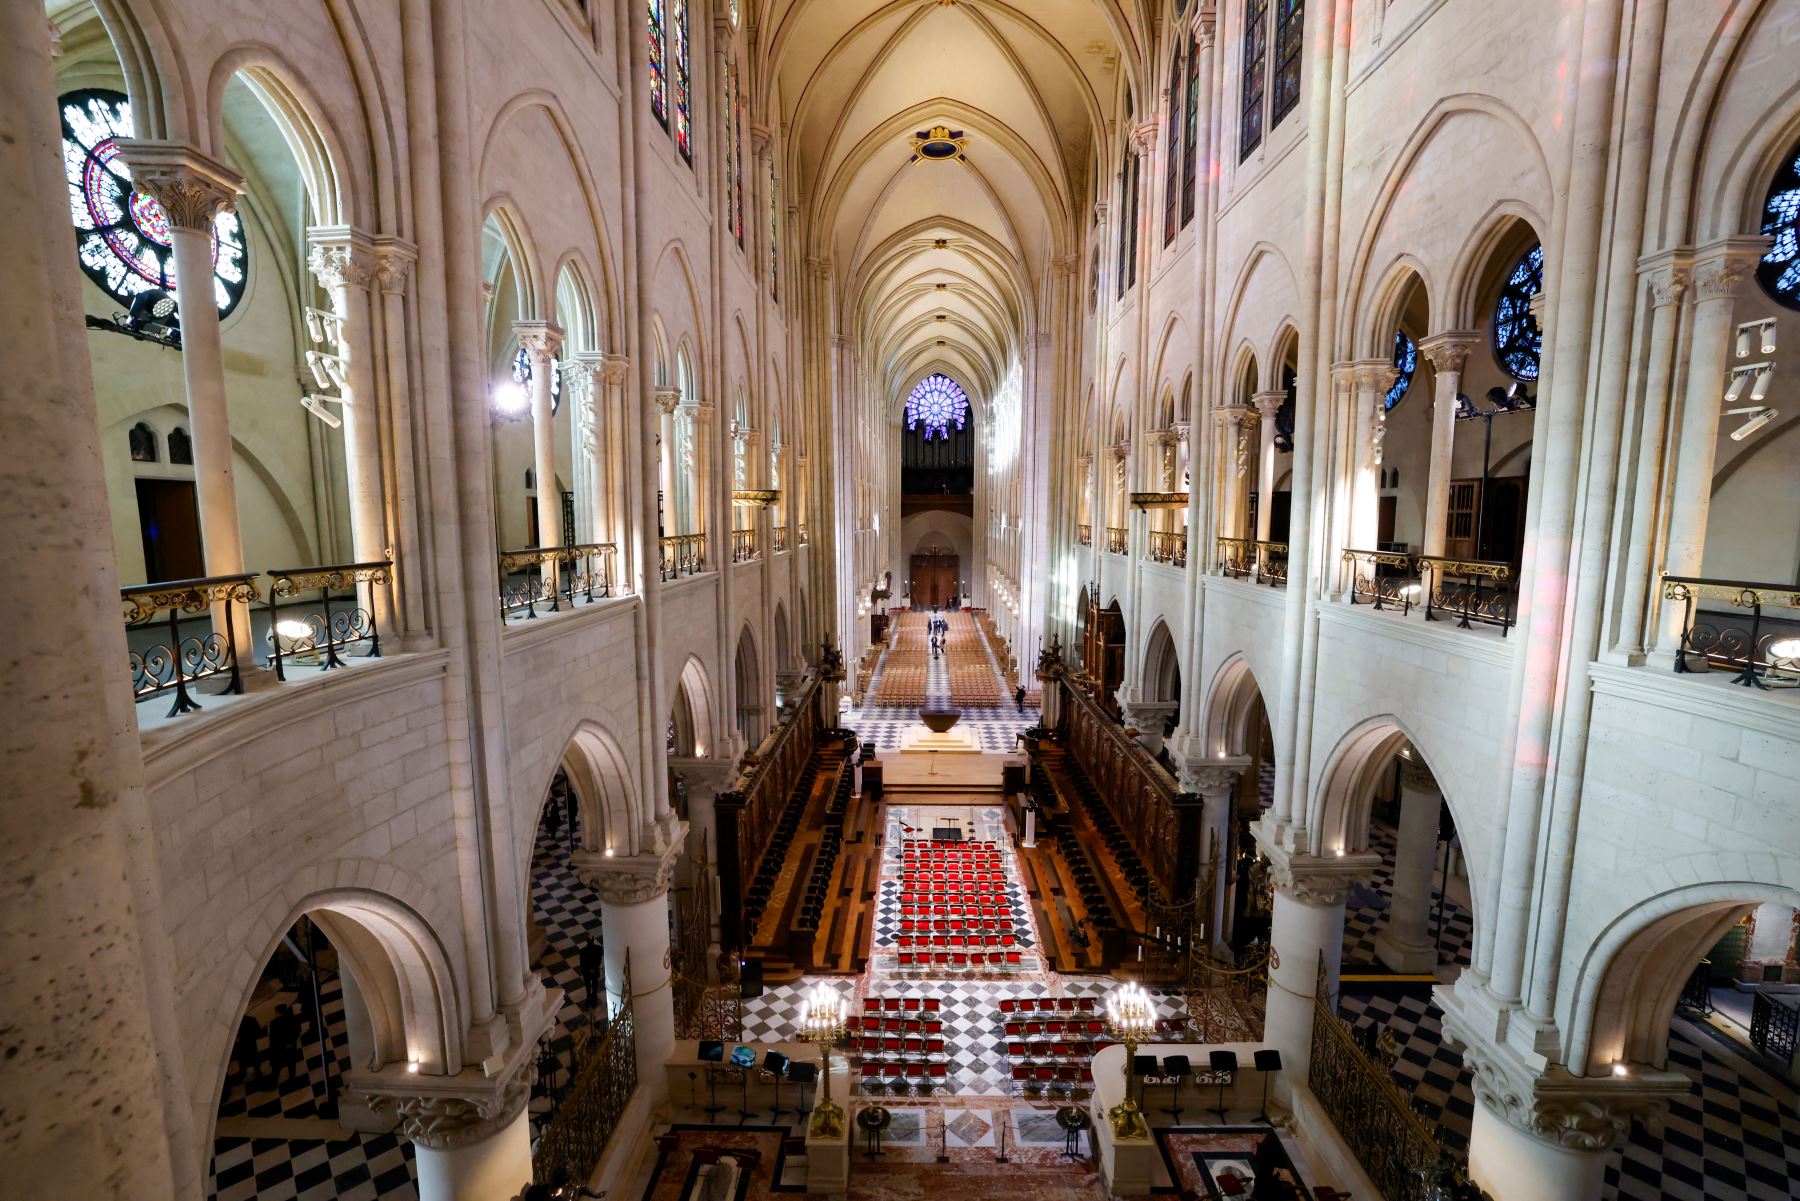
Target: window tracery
{"points": [[123, 236], [1517, 339], [1406, 362], [1779, 270], [678, 44], [935, 402], [659, 84]]}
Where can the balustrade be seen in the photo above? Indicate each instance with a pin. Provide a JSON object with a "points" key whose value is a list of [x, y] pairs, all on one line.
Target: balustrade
{"points": [[311, 634], [1468, 589], [1385, 579], [1084, 534], [682, 554], [781, 539], [1248, 559], [743, 546], [181, 659], [574, 1138], [1774, 1027], [1169, 547], [1117, 539], [1767, 649], [557, 576]]}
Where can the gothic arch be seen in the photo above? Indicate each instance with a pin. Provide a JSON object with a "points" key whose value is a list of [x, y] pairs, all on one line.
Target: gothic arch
{"points": [[316, 146], [1162, 665], [601, 777], [1230, 708]]}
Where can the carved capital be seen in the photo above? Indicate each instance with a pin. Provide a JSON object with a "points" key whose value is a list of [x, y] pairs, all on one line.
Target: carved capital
{"points": [[708, 777], [818, 268], [1373, 375], [1205, 25], [1233, 416], [1268, 404], [1143, 137], [1210, 778], [1065, 264], [1449, 351], [442, 1121], [626, 879], [1721, 267], [192, 188], [1320, 880], [394, 259], [341, 257], [613, 368], [667, 399], [541, 339]]}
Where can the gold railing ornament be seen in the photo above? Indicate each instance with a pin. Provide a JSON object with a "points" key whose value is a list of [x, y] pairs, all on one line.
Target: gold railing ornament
{"points": [[316, 640], [1118, 539], [181, 661], [822, 1017], [584, 568], [1130, 1020], [1760, 660]]}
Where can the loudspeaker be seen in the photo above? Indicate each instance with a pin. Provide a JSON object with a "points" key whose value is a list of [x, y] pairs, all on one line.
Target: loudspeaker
{"points": [[750, 979]]}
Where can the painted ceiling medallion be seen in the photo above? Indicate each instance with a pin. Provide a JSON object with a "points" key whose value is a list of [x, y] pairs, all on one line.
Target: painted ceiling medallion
{"points": [[940, 142]]}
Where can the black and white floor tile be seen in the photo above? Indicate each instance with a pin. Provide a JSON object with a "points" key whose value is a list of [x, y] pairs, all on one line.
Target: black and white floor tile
{"points": [[996, 727]]}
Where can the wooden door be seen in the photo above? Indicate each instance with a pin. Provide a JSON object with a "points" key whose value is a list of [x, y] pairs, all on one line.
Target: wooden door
{"points": [[934, 576], [169, 521]]}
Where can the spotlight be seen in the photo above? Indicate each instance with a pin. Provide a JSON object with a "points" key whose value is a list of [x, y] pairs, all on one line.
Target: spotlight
{"points": [[1762, 382], [509, 399], [1759, 416], [315, 404], [154, 314], [1743, 342], [1621, 1070], [1768, 338], [1738, 380]]}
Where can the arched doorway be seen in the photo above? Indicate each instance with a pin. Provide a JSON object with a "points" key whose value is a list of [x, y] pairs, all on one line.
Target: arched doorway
{"points": [[751, 709]]}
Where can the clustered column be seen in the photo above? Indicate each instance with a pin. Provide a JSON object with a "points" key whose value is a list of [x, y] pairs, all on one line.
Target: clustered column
{"points": [[1447, 352], [541, 340]]}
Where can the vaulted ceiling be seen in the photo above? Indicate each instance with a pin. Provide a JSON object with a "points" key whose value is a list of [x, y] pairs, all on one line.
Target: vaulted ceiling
{"points": [[940, 264]]}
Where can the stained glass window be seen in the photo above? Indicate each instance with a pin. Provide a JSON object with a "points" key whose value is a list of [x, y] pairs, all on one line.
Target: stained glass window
{"points": [[1406, 361], [936, 402], [1779, 271], [1189, 142], [1517, 338], [659, 84], [122, 235], [774, 235], [1256, 61], [678, 47], [1290, 22], [142, 440], [522, 373], [1124, 217], [734, 155], [1172, 153]]}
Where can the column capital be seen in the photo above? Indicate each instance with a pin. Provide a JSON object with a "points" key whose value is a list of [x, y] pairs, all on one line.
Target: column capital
{"points": [[627, 879], [1143, 136], [818, 268], [1414, 775], [1205, 25], [1211, 777], [613, 368], [580, 368], [1721, 267], [1065, 264], [541, 339], [667, 399], [1100, 212], [192, 187], [394, 259], [341, 256], [711, 776], [1450, 350], [1578, 1113], [1229, 415], [1324, 881], [1269, 403], [1373, 375]]}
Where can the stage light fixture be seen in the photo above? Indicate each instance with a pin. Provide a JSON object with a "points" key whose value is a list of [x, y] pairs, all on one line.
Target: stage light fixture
{"points": [[1758, 415]]}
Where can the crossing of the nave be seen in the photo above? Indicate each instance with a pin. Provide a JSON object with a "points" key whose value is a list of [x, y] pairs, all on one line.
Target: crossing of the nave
{"points": [[900, 598]]}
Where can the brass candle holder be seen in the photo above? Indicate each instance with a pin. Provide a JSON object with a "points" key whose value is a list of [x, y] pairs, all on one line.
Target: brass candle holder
{"points": [[1130, 1020], [822, 1016]]}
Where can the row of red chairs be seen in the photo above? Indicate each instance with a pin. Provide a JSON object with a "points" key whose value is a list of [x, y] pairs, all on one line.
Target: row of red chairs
{"points": [[1080, 1050], [999, 908], [1054, 1029], [951, 863], [951, 925], [947, 845], [901, 1004], [959, 958], [872, 1022], [953, 875], [951, 942], [1011, 1005], [977, 895], [893, 1077], [894, 1044]]}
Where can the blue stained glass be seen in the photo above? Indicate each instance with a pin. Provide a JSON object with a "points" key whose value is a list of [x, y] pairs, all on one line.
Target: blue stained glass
{"points": [[1779, 271], [659, 84], [1517, 339], [1406, 361], [937, 401], [678, 41]]}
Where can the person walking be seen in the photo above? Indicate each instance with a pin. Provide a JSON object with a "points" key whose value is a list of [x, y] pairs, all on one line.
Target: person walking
{"points": [[284, 1044], [593, 962], [1019, 697], [246, 1049]]}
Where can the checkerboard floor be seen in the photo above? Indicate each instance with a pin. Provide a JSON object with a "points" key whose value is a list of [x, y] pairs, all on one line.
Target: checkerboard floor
{"points": [[996, 727]]}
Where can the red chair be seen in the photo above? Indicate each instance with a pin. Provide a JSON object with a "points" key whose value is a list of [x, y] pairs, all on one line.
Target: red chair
{"points": [[890, 1004], [932, 1004], [869, 1077], [939, 1074], [1012, 957], [911, 1004]]}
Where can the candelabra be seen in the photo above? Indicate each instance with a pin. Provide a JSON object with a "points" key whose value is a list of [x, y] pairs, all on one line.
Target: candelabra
{"points": [[822, 1015], [1130, 1019]]}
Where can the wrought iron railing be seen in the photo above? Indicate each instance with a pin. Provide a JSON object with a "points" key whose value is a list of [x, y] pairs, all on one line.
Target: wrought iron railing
{"points": [[1696, 994], [743, 546], [1774, 1027], [1084, 534], [1385, 579], [301, 635], [181, 661], [781, 539], [1402, 1157], [1470, 590], [1769, 644], [1272, 564], [574, 1138], [1236, 557], [1169, 547], [1117, 539], [554, 577], [681, 554]]}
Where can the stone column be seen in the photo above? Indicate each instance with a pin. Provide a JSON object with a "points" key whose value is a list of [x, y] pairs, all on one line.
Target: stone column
{"points": [[96, 1109], [1447, 353], [1544, 1134], [1404, 944], [1215, 781], [586, 423], [614, 369], [541, 340], [1267, 404], [193, 189], [1368, 426], [1148, 718], [1306, 928], [634, 920], [394, 259], [1719, 269], [704, 779], [1233, 465], [471, 1134], [343, 261]]}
